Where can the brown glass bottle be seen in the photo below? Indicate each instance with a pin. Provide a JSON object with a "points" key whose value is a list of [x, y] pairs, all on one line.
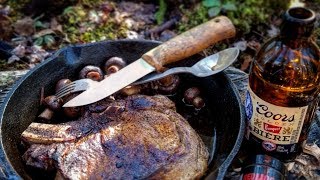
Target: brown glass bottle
{"points": [[283, 88]]}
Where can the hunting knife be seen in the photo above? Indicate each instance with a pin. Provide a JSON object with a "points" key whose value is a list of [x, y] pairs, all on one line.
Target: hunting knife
{"points": [[182, 46]]}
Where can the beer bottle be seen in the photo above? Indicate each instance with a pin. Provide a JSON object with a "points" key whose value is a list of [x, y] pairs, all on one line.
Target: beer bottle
{"points": [[283, 88]]}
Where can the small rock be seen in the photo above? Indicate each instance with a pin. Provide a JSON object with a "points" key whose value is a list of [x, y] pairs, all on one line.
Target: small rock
{"points": [[166, 35]]}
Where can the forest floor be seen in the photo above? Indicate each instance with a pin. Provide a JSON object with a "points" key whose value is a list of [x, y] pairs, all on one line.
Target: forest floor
{"points": [[32, 30]]}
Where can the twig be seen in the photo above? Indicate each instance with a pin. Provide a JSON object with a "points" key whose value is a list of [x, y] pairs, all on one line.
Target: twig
{"points": [[162, 27]]}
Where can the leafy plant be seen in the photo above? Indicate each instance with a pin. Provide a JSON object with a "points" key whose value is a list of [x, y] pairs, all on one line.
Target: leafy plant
{"points": [[161, 12], [79, 28], [46, 40], [192, 17], [245, 13]]}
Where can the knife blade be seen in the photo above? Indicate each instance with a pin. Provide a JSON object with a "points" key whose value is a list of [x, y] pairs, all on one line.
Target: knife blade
{"points": [[182, 46]]}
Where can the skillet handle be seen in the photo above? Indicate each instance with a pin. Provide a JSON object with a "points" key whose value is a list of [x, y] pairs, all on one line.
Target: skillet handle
{"points": [[190, 42]]}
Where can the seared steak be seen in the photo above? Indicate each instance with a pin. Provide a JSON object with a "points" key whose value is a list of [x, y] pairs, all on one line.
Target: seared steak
{"points": [[135, 138]]}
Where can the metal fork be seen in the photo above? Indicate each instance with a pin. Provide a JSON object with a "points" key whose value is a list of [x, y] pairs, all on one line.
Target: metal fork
{"points": [[84, 84], [75, 86]]}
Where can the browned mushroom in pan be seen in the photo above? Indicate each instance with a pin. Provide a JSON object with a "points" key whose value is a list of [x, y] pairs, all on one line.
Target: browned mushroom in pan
{"points": [[192, 97], [113, 65], [190, 94], [131, 90], [52, 104], [91, 72], [167, 85], [61, 83], [72, 112], [198, 102]]}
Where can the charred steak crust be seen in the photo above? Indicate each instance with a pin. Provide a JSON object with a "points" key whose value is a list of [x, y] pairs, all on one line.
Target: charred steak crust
{"points": [[135, 138]]}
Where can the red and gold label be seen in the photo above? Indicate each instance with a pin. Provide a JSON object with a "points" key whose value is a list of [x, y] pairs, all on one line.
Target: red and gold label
{"points": [[274, 125]]}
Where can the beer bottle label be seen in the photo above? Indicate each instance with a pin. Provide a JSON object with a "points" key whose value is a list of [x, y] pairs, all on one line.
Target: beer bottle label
{"points": [[273, 125]]}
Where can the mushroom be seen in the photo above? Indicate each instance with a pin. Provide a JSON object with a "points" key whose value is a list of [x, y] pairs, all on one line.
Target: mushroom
{"points": [[167, 85], [113, 65], [190, 94], [72, 112], [61, 83], [131, 90], [52, 104], [198, 102], [91, 72], [192, 97]]}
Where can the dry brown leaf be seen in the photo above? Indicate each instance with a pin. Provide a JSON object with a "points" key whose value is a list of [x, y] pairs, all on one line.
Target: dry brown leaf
{"points": [[247, 59], [43, 33], [55, 26], [24, 27], [312, 149]]}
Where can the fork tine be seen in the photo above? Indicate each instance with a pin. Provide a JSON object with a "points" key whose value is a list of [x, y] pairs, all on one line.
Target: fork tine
{"points": [[64, 94], [75, 86], [66, 87], [65, 91]]}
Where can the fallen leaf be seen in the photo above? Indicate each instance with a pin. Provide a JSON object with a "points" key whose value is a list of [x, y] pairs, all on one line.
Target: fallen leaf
{"points": [[247, 59], [13, 58], [55, 26], [312, 149], [19, 51], [43, 33], [24, 27], [254, 45]]}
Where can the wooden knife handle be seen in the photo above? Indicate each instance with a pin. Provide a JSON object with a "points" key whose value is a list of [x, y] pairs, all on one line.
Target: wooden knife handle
{"points": [[190, 42]]}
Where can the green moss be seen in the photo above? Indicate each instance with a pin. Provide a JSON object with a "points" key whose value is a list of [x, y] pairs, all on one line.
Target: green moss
{"points": [[91, 3], [17, 8], [193, 17], [249, 13], [161, 12], [244, 13], [79, 28]]}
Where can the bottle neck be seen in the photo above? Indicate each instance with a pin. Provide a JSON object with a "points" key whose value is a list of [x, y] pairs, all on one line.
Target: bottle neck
{"points": [[298, 23], [294, 43], [291, 30]]}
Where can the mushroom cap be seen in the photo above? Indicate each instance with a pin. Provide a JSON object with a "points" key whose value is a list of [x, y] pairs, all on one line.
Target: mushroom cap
{"points": [[190, 94], [92, 72], [53, 102]]}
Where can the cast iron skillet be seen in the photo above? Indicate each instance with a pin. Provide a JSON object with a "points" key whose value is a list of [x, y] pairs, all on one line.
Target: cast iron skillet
{"points": [[223, 115]]}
